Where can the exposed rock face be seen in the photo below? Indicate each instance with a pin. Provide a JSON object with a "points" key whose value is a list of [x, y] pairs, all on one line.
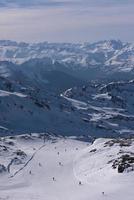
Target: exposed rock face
{"points": [[124, 163], [2, 169]]}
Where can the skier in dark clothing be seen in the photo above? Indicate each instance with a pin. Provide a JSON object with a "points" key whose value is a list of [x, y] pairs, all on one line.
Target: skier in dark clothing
{"points": [[60, 164], [80, 183]]}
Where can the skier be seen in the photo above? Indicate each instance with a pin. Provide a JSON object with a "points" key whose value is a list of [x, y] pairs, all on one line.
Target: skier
{"points": [[80, 183], [60, 164], [53, 179]]}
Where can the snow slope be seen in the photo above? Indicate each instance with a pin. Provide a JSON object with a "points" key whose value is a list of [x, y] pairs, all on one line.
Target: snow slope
{"points": [[33, 179], [93, 167]]}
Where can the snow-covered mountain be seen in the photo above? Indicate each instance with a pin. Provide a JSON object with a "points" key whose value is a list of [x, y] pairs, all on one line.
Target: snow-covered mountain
{"points": [[35, 95], [44, 166], [104, 57], [74, 93]]}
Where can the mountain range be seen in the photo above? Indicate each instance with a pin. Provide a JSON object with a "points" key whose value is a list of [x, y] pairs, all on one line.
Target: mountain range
{"points": [[59, 106], [104, 56], [69, 89]]}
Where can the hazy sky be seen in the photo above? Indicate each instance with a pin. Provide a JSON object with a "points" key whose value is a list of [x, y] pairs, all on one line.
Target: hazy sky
{"points": [[67, 20]]}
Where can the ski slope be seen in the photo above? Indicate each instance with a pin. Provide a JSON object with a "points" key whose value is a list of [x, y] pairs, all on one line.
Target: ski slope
{"points": [[53, 169]]}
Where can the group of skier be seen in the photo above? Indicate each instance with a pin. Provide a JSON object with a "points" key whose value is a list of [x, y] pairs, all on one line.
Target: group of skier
{"points": [[60, 164]]}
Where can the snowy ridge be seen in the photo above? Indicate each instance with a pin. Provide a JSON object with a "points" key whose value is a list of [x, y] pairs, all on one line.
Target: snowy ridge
{"points": [[117, 55]]}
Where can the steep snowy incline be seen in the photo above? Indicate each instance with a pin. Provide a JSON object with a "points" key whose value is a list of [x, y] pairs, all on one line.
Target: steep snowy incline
{"points": [[56, 168], [100, 166]]}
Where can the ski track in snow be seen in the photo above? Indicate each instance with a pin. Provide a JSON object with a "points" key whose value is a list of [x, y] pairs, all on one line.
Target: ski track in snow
{"points": [[27, 162], [73, 155]]}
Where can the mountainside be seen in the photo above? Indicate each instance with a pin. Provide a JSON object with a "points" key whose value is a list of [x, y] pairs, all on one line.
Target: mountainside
{"points": [[105, 107], [95, 109], [30, 101], [35, 95], [44, 166]]}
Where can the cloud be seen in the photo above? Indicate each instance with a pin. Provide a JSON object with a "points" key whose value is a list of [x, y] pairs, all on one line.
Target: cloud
{"points": [[66, 20], [33, 3], [54, 3]]}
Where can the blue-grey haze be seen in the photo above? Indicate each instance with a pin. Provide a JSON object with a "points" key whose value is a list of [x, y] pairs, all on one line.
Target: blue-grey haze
{"points": [[66, 20]]}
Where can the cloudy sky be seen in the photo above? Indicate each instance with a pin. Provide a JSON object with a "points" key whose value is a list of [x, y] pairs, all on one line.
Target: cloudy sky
{"points": [[67, 20]]}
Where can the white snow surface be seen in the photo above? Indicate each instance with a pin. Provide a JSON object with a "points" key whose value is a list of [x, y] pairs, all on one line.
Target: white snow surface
{"points": [[34, 179], [4, 93], [102, 96], [92, 168]]}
